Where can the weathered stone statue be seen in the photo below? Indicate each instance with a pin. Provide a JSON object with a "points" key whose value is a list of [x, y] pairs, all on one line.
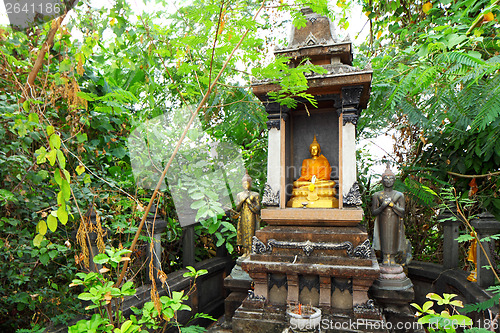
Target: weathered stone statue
{"points": [[248, 206], [389, 207], [314, 189]]}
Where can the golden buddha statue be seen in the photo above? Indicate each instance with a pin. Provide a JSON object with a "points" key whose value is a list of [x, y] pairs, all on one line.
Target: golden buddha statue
{"points": [[248, 208], [314, 189]]}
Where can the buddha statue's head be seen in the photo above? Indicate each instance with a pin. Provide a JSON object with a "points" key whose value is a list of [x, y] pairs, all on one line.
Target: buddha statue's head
{"points": [[246, 181], [315, 148], [388, 177]]}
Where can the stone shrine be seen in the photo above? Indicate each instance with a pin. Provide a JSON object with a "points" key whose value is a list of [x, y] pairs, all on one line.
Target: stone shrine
{"points": [[319, 257]]}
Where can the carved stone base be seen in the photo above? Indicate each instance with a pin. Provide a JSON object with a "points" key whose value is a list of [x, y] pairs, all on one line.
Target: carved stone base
{"points": [[238, 283], [392, 277], [253, 316], [394, 297], [321, 266], [257, 317]]}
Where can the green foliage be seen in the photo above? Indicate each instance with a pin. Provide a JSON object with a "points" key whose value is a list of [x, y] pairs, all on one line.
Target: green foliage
{"points": [[99, 287], [449, 320], [95, 324], [292, 80], [482, 305], [100, 290], [437, 85], [63, 140]]}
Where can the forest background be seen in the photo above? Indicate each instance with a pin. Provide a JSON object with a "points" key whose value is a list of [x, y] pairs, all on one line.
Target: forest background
{"points": [[69, 105]]}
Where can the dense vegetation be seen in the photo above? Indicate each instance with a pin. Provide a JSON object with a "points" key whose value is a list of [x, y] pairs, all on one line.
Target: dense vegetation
{"points": [[108, 71], [436, 83], [71, 95]]}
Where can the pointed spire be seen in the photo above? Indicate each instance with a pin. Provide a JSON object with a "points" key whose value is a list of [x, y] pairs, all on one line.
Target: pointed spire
{"points": [[246, 177], [315, 143], [388, 171], [322, 26]]}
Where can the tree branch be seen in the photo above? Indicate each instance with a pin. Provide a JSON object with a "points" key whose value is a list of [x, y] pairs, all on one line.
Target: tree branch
{"points": [[39, 60], [473, 176], [193, 116]]}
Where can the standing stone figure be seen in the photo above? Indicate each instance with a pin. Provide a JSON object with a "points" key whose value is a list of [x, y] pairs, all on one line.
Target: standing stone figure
{"points": [[389, 207], [248, 206]]}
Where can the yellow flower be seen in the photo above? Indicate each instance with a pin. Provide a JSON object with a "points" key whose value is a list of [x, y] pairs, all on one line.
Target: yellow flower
{"points": [[489, 16], [426, 7], [311, 187]]}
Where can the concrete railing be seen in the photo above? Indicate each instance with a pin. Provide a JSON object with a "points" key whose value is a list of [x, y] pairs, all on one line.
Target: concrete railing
{"points": [[485, 225], [435, 278]]}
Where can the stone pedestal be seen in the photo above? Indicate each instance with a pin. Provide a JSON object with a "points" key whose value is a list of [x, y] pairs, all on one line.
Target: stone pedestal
{"points": [[238, 283], [255, 316], [154, 229], [485, 225], [393, 291], [327, 264], [451, 232]]}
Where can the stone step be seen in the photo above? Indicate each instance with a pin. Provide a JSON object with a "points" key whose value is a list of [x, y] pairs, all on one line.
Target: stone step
{"points": [[344, 268], [300, 259]]}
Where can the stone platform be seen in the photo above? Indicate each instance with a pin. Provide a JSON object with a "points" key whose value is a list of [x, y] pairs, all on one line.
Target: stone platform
{"points": [[255, 316], [329, 266]]}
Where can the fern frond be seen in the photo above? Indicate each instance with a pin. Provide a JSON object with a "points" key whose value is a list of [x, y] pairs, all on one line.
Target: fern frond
{"points": [[417, 190], [425, 79], [402, 89], [460, 58]]}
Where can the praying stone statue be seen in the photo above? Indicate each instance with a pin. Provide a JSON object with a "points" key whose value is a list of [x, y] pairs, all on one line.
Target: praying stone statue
{"points": [[389, 208], [314, 189], [248, 206]]}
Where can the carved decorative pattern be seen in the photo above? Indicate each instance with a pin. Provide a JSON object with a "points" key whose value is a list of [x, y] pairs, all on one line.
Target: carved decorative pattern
{"points": [[369, 305], [308, 247], [272, 107], [274, 123], [253, 297], [269, 198], [311, 40], [353, 197], [350, 118], [259, 247], [278, 280], [336, 284], [351, 95], [363, 250], [309, 282]]}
